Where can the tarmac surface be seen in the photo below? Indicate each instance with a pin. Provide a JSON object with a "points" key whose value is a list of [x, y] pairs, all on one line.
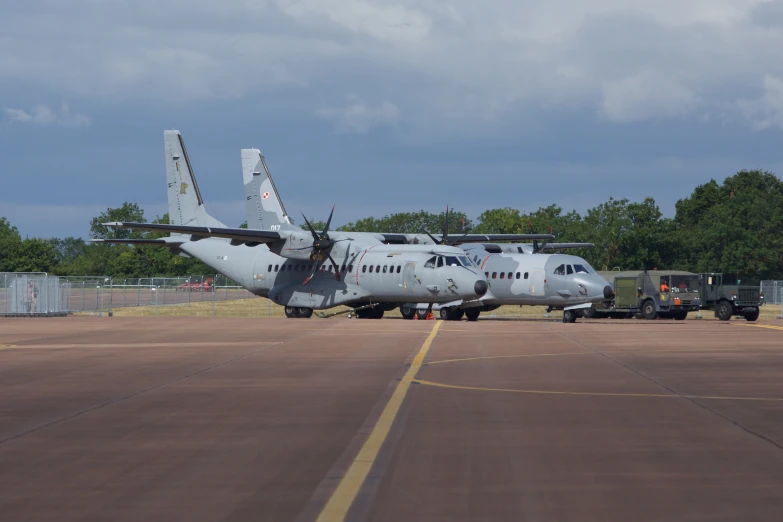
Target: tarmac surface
{"points": [[387, 420]]}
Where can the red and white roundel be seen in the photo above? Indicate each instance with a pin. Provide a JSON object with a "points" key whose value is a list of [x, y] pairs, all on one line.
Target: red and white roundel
{"points": [[265, 195]]}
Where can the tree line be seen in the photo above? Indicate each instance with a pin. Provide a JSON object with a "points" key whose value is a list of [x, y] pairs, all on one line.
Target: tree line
{"points": [[735, 226]]}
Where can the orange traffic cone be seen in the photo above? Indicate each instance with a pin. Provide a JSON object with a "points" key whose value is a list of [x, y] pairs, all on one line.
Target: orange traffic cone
{"points": [[430, 316]]}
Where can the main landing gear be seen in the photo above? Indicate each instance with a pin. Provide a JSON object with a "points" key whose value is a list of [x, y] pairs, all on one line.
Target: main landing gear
{"points": [[298, 312]]}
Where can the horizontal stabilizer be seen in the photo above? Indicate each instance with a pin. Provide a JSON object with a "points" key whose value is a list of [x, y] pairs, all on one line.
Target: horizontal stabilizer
{"points": [[239, 234]]}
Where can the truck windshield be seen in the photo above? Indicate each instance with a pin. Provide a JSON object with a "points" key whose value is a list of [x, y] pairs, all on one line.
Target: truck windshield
{"points": [[684, 283]]}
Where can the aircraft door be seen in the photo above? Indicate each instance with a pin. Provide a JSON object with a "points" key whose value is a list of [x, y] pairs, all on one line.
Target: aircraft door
{"points": [[537, 282], [409, 277]]}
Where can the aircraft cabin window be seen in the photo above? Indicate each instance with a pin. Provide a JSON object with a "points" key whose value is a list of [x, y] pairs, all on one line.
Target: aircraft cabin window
{"points": [[398, 269], [378, 268], [494, 275], [580, 269], [371, 267], [570, 269], [430, 263], [364, 268], [526, 274], [384, 269], [269, 269], [560, 270], [486, 274], [518, 274], [276, 267], [350, 268], [502, 275]]}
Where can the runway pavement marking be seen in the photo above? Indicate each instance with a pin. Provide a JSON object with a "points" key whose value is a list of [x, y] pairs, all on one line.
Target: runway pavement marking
{"points": [[767, 326], [595, 394], [430, 363], [341, 500], [3, 346]]}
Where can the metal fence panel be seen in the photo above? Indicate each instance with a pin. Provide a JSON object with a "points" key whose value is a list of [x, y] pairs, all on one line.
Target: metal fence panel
{"points": [[29, 293], [773, 290]]}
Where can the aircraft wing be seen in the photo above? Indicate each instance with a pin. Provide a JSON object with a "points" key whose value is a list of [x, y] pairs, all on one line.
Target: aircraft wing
{"points": [[161, 242], [564, 246], [493, 238], [239, 234]]}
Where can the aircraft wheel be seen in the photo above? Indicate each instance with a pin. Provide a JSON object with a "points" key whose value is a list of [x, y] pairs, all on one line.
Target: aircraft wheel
{"points": [[407, 311], [291, 311], [751, 314], [459, 313], [305, 313], [648, 310], [724, 311], [421, 314], [472, 314], [446, 314], [569, 316], [377, 313]]}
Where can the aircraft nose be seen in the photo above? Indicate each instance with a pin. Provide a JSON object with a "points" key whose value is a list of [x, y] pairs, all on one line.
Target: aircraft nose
{"points": [[607, 292], [480, 288]]}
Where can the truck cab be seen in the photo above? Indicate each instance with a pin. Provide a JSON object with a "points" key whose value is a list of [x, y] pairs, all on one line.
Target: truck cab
{"points": [[724, 294]]}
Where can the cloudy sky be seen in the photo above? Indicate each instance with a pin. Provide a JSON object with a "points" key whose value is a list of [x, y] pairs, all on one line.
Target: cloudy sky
{"points": [[380, 107]]}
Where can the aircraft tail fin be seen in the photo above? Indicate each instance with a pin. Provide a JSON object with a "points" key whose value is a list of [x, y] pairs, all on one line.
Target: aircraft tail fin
{"points": [[263, 207], [186, 206]]}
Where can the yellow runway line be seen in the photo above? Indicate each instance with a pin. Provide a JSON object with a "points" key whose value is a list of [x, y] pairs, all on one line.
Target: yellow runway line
{"points": [[594, 394], [767, 326], [341, 500]]}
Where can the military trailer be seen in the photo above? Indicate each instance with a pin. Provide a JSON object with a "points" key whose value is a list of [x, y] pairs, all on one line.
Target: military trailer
{"points": [[649, 294], [723, 294]]}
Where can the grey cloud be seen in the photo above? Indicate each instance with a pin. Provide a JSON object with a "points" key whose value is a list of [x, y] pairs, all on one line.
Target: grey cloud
{"points": [[767, 110], [358, 117], [43, 116]]}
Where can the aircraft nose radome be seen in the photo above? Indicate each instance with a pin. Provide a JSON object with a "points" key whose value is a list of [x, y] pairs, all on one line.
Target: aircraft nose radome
{"points": [[480, 288], [608, 292]]}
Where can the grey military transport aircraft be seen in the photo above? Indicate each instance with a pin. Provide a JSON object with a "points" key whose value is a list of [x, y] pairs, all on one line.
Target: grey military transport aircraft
{"points": [[288, 264], [516, 277]]}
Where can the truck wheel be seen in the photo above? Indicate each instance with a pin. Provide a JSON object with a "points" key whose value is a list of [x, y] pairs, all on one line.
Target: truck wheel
{"points": [[472, 314], [648, 310], [407, 311], [569, 316], [724, 311], [680, 315], [588, 313], [751, 314]]}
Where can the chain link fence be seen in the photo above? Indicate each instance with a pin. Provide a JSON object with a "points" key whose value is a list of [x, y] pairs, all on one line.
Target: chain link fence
{"points": [[41, 294], [773, 292]]}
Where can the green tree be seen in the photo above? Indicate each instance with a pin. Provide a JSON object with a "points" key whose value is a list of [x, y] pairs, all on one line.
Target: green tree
{"points": [[34, 255], [130, 212], [412, 223], [10, 241]]}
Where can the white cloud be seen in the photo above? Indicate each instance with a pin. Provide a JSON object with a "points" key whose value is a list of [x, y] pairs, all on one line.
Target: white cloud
{"points": [[767, 110], [43, 116], [358, 118], [646, 95], [439, 61]]}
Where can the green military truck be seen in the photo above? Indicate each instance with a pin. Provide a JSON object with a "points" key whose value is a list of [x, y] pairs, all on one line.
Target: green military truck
{"points": [[649, 294], [723, 294]]}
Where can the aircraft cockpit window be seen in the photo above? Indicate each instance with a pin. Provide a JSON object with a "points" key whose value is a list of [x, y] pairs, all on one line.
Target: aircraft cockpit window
{"points": [[581, 269], [430, 263], [570, 269], [465, 260], [560, 270], [452, 261], [440, 261]]}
